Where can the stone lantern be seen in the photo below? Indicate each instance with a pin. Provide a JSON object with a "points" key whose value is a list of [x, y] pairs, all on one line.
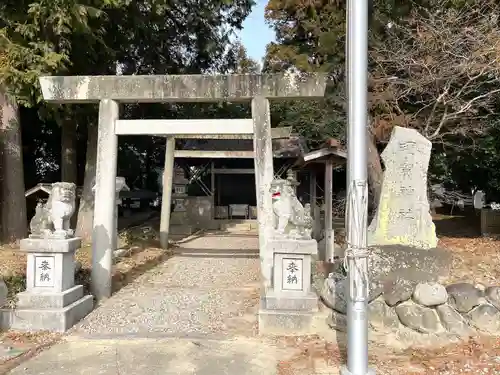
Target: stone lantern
{"points": [[179, 196]]}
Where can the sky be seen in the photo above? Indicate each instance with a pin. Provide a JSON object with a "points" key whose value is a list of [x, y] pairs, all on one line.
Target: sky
{"points": [[256, 34]]}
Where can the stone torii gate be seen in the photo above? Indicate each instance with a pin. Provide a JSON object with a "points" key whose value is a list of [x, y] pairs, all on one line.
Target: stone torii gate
{"points": [[110, 91]]}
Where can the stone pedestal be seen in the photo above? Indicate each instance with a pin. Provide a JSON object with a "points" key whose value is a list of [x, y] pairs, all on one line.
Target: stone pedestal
{"points": [[180, 226], [52, 301], [288, 307]]}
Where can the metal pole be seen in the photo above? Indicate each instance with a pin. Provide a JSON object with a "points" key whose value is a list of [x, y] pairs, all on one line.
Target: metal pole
{"points": [[357, 188], [346, 76], [329, 237]]}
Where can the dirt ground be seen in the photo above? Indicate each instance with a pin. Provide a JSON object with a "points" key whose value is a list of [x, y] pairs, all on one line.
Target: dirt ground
{"points": [[475, 259], [16, 347], [316, 356]]}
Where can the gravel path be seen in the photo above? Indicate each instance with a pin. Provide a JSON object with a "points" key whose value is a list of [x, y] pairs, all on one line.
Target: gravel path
{"points": [[191, 294]]}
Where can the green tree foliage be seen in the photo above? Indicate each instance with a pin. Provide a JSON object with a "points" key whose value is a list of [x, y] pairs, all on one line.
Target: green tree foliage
{"points": [[433, 67], [100, 37], [243, 64], [36, 38], [309, 38]]}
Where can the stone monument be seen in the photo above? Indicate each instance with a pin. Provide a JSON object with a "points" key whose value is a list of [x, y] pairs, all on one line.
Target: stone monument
{"points": [[403, 216], [287, 306], [51, 301]]}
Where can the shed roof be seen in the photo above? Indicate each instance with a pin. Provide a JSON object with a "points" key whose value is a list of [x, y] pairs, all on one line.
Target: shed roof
{"points": [[331, 150]]}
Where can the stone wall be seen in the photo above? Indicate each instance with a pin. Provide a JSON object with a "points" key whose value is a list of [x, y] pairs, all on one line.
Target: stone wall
{"points": [[459, 309], [490, 222]]}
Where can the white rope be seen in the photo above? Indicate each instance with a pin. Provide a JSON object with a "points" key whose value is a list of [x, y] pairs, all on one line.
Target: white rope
{"points": [[357, 252]]}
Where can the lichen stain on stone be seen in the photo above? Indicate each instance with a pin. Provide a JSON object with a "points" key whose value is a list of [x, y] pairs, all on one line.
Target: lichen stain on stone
{"points": [[403, 215], [181, 88]]}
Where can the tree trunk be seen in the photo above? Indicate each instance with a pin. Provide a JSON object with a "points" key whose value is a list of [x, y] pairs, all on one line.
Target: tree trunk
{"points": [[14, 221], [375, 172], [68, 151], [86, 209]]}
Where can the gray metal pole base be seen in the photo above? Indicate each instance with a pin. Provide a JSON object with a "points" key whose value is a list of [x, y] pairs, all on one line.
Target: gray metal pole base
{"points": [[345, 371]]}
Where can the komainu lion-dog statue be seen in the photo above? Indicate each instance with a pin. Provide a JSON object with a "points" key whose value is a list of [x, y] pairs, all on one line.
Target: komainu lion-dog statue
{"points": [[52, 219], [291, 219]]}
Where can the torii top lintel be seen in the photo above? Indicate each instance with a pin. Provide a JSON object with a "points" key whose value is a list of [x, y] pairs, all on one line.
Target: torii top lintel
{"points": [[181, 88]]}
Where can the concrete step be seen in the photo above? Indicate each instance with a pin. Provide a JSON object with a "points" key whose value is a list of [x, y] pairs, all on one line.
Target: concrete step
{"points": [[219, 253], [168, 356], [243, 226]]}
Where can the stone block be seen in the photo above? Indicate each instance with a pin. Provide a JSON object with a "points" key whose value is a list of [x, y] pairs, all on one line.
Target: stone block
{"points": [[486, 318], [381, 315], [453, 321], [387, 263], [184, 230], [179, 218], [335, 292], [492, 295], [50, 271], [221, 212], [239, 226], [285, 322], [292, 274], [273, 301], [419, 318], [213, 225], [430, 294], [490, 222], [49, 245], [47, 319], [290, 246], [463, 297], [49, 300], [397, 291], [50, 263]]}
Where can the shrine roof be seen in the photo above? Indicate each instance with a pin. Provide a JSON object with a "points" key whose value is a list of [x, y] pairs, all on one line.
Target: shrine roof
{"points": [[292, 147]]}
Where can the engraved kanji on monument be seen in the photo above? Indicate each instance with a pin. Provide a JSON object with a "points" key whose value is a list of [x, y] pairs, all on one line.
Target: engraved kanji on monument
{"points": [[403, 215]]}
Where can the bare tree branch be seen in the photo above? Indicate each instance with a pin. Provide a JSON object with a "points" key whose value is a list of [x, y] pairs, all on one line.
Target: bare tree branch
{"points": [[437, 70]]}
